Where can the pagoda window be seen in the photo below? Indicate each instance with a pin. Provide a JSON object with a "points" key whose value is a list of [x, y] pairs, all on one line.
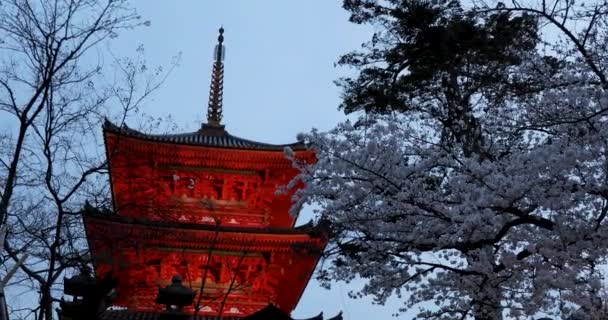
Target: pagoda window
{"points": [[238, 189], [215, 271], [168, 185], [267, 256], [252, 193], [218, 188], [243, 274]]}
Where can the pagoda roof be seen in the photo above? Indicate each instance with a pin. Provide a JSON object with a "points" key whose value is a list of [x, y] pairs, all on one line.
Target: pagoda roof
{"points": [[208, 136], [307, 228], [269, 312], [195, 236]]}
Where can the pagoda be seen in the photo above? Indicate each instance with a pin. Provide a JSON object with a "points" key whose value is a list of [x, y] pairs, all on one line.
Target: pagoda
{"points": [[199, 212]]}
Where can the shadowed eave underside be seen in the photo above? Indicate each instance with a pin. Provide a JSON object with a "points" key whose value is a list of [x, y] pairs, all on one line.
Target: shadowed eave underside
{"points": [[315, 231]]}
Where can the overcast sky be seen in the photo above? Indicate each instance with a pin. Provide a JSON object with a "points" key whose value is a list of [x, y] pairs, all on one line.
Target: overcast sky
{"points": [[279, 73]]}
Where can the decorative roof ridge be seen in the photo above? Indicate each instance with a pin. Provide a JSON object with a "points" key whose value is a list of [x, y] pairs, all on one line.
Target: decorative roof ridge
{"points": [[207, 136], [312, 231]]}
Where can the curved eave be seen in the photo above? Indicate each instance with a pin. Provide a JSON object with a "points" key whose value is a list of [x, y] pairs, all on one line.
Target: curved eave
{"points": [[307, 229], [206, 137], [117, 232]]}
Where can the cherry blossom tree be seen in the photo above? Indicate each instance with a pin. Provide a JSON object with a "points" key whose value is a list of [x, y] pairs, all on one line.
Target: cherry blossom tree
{"points": [[472, 180]]}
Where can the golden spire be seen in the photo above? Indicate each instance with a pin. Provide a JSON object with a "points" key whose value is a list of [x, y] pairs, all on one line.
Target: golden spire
{"points": [[214, 110]]}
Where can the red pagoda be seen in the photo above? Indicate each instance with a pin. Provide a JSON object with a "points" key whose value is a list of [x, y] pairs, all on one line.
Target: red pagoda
{"points": [[201, 209]]}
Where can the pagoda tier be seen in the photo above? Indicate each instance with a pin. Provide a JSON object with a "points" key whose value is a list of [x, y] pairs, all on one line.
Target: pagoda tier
{"points": [[200, 177], [202, 207], [240, 270]]}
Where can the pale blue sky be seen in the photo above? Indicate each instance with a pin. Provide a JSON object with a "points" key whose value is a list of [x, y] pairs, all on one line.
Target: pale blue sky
{"points": [[279, 73]]}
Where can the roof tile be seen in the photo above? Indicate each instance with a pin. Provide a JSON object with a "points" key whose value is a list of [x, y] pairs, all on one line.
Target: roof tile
{"points": [[207, 136]]}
